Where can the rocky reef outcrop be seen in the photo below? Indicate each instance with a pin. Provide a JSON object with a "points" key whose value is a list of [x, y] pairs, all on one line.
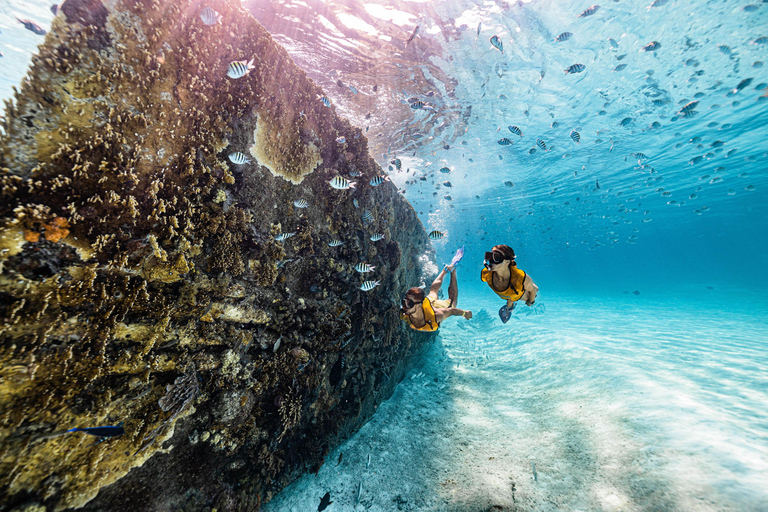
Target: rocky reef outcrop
{"points": [[142, 282]]}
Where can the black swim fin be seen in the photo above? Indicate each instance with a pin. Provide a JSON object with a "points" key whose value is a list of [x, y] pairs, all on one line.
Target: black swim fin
{"points": [[505, 313]]}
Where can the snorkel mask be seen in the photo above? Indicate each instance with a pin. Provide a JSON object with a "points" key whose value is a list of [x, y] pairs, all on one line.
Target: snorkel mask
{"points": [[492, 258], [407, 304]]}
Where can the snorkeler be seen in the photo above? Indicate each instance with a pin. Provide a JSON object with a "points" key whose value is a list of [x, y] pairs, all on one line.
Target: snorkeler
{"points": [[426, 313], [506, 280]]}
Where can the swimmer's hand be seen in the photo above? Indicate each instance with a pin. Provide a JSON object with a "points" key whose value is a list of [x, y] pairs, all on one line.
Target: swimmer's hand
{"points": [[467, 314], [505, 313]]}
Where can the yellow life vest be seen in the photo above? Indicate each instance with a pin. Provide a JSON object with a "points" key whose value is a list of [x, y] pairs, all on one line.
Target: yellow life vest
{"points": [[516, 281], [430, 319]]}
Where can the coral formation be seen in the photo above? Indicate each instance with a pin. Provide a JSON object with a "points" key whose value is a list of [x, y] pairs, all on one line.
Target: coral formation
{"points": [[140, 276]]}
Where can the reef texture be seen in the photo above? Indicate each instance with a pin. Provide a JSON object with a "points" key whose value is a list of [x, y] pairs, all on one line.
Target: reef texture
{"points": [[141, 281]]}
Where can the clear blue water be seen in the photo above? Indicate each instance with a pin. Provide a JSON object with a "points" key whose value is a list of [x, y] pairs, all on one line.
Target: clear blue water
{"points": [[623, 401]]}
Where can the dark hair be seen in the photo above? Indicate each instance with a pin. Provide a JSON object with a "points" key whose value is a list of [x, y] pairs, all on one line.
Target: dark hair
{"points": [[506, 250], [417, 293]]}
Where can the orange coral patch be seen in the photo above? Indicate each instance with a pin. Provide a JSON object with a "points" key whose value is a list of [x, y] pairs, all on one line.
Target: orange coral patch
{"points": [[57, 229]]}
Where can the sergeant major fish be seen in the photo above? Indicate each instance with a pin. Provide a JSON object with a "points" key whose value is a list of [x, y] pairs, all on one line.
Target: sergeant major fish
{"points": [[363, 267], [589, 12], [515, 130], [301, 203], [496, 43], [335, 243], [541, 144], [563, 37], [325, 101], [436, 235], [238, 158], [284, 236], [651, 47], [341, 183], [239, 68], [369, 285], [504, 141], [575, 136], [210, 17], [378, 180], [376, 237], [575, 68]]}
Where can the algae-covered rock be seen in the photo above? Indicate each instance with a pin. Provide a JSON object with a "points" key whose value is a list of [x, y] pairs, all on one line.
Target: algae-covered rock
{"points": [[141, 281]]}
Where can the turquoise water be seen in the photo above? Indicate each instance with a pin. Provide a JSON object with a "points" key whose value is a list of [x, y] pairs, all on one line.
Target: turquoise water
{"points": [[654, 400]]}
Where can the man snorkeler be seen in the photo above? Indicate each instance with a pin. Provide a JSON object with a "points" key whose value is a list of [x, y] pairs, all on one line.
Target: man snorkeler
{"points": [[506, 280]]}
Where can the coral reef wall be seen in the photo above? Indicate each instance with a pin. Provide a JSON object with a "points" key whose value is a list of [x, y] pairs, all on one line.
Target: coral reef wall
{"points": [[141, 280]]}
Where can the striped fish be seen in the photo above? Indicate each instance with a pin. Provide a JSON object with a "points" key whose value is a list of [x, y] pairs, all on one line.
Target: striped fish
{"points": [[589, 12], [335, 243], [239, 68], [504, 141], [284, 236], [417, 105], [301, 203], [356, 203], [369, 285], [363, 267], [575, 136], [340, 183], [515, 130], [367, 217], [575, 68], [341, 140], [238, 158], [354, 174], [496, 42], [651, 47], [563, 37], [378, 180], [397, 163], [325, 101], [210, 17], [689, 106], [541, 144], [445, 170], [377, 237], [436, 235], [352, 88]]}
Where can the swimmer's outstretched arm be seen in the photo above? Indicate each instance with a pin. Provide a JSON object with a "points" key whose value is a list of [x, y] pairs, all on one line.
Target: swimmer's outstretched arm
{"points": [[446, 312], [438, 283]]}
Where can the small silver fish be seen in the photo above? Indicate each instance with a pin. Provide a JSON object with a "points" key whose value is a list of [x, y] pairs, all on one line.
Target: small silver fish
{"points": [[575, 136], [575, 68], [376, 237], [335, 243], [356, 203], [563, 37], [341, 140], [341, 183], [301, 203], [284, 236], [436, 235], [238, 158], [363, 267], [239, 68], [210, 17], [496, 42], [369, 285], [515, 130], [325, 101], [589, 12], [651, 47], [541, 144], [378, 180], [504, 141], [353, 89]]}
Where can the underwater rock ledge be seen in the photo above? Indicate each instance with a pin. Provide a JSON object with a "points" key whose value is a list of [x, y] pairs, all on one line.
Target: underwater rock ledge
{"points": [[141, 281]]}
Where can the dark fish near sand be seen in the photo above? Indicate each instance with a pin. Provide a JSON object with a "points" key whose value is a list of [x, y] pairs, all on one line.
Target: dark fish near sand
{"points": [[563, 37], [324, 502], [436, 235], [744, 83], [504, 141], [515, 130], [620, 67], [589, 12], [112, 431], [541, 144], [575, 68], [575, 136], [689, 106]]}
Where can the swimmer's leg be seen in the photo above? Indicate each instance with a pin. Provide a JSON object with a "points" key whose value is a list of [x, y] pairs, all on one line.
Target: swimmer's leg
{"points": [[453, 290]]}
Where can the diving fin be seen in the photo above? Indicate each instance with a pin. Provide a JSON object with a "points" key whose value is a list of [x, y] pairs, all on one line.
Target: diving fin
{"points": [[457, 258], [505, 313]]}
